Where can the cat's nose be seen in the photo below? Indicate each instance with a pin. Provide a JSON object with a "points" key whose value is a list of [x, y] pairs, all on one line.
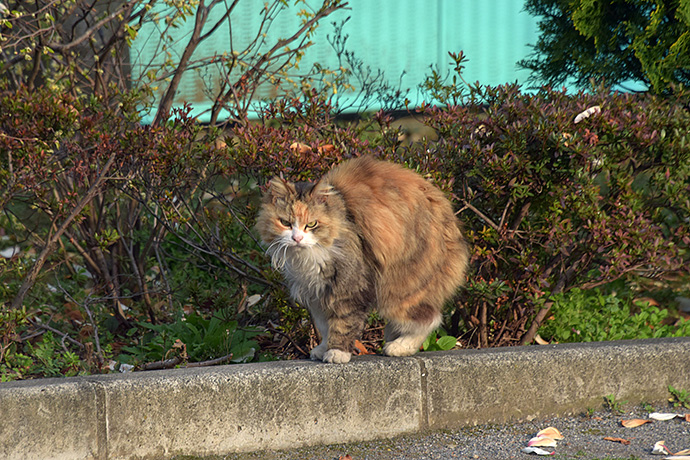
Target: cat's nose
{"points": [[297, 237]]}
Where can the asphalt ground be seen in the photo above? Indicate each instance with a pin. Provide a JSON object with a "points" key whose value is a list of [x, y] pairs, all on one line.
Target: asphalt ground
{"points": [[583, 439]]}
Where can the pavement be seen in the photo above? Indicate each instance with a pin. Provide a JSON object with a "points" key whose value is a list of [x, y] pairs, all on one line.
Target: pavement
{"points": [[230, 410], [587, 436]]}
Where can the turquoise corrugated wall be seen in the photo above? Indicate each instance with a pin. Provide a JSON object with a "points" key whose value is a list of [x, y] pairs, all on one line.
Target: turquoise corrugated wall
{"points": [[395, 36]]}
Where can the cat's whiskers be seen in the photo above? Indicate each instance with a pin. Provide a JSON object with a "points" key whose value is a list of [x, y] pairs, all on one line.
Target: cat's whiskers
{"points": [[273, 250]]}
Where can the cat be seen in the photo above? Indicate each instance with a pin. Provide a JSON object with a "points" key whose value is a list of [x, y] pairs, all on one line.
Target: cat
{"points": [[368, 234]]}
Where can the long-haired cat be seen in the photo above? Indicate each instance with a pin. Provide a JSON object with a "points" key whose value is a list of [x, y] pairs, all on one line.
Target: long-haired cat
{"points": [[368, 234]]}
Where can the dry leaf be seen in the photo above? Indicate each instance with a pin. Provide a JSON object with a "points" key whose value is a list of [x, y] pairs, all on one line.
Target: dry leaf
{"points": [[541, 441], [634, 422], [621, 440], [326, 148], [346, 457], [536, 450], [587, 113], [662, 416], [361, 349], [648, 300], [300, 147], [687, 417], [253, 300], [660, 448], [540, 340], [550, 432]]}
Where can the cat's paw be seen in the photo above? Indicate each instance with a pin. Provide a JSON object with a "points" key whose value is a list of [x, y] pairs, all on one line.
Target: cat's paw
{"points": [[336, 356], [318, 351], [400, 347]]}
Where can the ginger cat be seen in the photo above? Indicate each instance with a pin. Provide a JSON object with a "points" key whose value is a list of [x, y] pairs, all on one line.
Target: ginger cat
{"points": [[368, 234]]}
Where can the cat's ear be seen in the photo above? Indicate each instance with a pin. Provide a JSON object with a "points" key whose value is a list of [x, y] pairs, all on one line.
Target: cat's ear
{"points": [[321, 191], [278, 190]]}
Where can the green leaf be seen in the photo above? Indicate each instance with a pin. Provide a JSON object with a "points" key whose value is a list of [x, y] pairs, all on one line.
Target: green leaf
{"points": [[447, 342]]}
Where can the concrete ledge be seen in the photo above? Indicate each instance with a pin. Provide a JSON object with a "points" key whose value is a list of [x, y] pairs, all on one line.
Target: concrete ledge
{"points": [[498, 385], [156, 415]]}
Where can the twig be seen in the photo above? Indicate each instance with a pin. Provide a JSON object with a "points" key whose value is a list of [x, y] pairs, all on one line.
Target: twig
{"points": [[521, 216], [165, 364], [483, 216], [536, 322], [292, 342], [60, 333], [172, 362], [99, 352], [211, 362]]}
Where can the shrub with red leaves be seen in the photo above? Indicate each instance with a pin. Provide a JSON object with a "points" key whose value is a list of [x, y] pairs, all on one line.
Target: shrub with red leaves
{"points": [[552, 200]]}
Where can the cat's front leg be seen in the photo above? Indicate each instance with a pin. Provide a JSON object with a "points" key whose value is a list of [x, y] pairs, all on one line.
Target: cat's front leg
{"points": [[318, 351], [321, 324], [345, 325]]}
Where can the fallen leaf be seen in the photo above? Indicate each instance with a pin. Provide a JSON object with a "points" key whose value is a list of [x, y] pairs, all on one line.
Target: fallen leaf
{"points": [[687, 417], [550, 432], [634, 422], [253, 300], [621, 440], [662, 416], [660, 448], [648, 300], [541, 441], [346, 457], [536, 450], [540, 340], [361, 349]]}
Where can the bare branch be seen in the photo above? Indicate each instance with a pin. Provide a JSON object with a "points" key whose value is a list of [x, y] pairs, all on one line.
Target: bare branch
{"points": [[52, 240], [65, 47], [483, 216]]}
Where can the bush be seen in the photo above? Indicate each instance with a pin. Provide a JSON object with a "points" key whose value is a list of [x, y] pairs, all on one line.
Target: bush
{"points": [[125, 230], [91, 201], [552, 200]]}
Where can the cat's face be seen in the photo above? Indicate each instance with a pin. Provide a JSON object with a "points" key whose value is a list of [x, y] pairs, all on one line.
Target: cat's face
{"points": [[296, 217]]}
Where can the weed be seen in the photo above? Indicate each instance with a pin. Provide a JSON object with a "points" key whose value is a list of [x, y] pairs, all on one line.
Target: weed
{"points": [[647, 407], [201, 338], [597, 315], [439, 341], [613, 405], [680, 398]]}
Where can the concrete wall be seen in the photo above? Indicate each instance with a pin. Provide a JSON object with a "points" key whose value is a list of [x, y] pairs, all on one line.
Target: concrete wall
{"points": [[158, 414]]}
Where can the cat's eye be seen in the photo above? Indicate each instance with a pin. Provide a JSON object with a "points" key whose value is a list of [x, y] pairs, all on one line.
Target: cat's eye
{"points": [[312, 224], [285, 223]]}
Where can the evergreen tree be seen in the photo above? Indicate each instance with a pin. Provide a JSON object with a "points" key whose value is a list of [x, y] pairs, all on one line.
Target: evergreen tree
{"points": [[611, 42]]}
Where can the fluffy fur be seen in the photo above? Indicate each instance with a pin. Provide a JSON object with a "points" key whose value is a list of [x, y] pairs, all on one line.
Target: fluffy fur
{"points": [[368, 234]]}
